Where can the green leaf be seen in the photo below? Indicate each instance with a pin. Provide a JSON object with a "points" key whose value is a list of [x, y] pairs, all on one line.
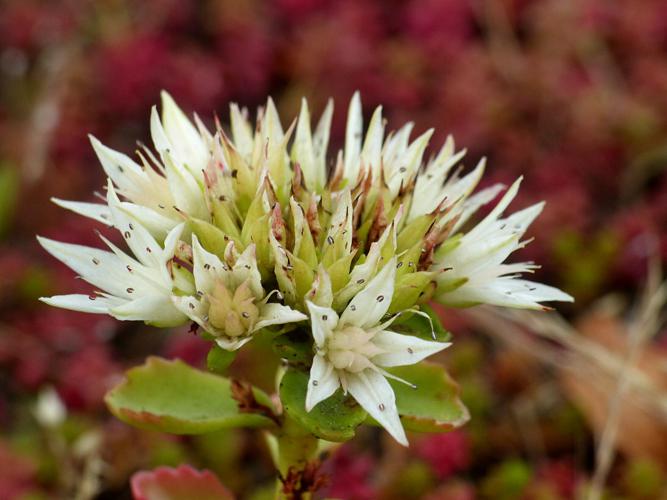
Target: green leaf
{"points": [[420, 326], [334, 419], [219, 359], [173, 397], [295, 347], [434, 406]]}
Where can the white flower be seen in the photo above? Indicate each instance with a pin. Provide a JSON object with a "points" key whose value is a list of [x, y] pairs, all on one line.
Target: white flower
{"points": [[136, 288], [352, 351], [473, 269], [230, 303]]}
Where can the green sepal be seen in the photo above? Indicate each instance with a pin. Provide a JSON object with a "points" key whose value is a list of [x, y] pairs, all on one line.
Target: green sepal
{"points": [[339, 272], [259, 235], [224, 219], [303, 277], [334, 419], [173, 397], [408, 289], [413, 232], [447, 246], [211, 237]]}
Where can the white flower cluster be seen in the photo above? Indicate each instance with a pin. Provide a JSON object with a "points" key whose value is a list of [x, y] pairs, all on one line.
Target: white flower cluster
{"points": [[253, 228]]}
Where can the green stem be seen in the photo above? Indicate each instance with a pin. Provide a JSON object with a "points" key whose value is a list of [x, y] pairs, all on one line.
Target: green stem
{"points": [[296, 448]]}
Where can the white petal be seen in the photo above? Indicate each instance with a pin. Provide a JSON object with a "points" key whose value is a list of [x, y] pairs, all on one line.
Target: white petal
{"points": [[476, 201], [155, 223], [321, 141], [155, 309], [303, 151], [232, 344], [506, 292], [120, 168], [95, 211], [171, 242], [246, 269], [401, 350], [341, 220], [322, 320], [95, 304], [322, 383], [372, 151], [369, 306], [192, 307], [321, 293], [207, 268], [140, 241], [375, 395], [241, 132], [353, 136], [277, 314], [159, 136], [187, 193], [189, 148], [100, 268]]}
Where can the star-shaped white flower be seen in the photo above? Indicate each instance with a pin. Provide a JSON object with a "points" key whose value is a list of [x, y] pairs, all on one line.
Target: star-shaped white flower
{"points": [[229, 301], [132, 288], [352, 351]]}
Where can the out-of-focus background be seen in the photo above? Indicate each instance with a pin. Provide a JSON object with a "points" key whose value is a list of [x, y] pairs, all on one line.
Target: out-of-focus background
{"points": [[570, 93]]}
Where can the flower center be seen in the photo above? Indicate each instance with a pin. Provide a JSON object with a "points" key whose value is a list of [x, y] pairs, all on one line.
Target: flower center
{"points": [[350, 348], [234, 315]]}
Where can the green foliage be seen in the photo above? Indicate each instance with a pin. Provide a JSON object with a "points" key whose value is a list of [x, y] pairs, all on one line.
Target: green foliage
{"points": [[334, 419], [644, 479], [420, 326], [170, 396], [296, 347], [219, 359], [507, 481], [434, 405]]}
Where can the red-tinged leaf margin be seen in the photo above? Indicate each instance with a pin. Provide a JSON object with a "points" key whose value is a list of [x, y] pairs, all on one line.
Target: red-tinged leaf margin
{"points": [[434, 405], [180, 483], [173, 397]]}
